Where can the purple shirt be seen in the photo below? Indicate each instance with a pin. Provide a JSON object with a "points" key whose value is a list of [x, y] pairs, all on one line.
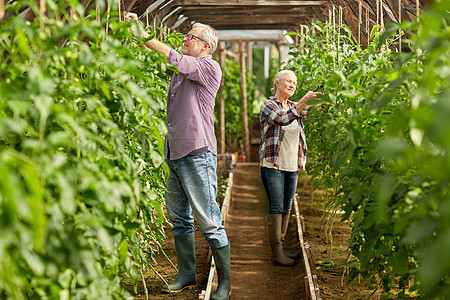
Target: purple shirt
{"points": [[190, 105]]}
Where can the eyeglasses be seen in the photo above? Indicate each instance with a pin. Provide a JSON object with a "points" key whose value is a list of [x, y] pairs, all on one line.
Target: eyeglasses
{"points": [[191, 36]]}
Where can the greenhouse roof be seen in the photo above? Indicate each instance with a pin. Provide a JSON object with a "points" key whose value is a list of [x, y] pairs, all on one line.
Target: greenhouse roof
{"points": [[279, 15]]}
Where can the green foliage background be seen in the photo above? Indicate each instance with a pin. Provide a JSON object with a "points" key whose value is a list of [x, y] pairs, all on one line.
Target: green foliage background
{"points": [[231, 92]]}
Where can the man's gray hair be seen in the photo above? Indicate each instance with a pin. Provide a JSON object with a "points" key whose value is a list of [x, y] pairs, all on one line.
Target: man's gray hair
{"points": [[279, 77], [210, 35]]}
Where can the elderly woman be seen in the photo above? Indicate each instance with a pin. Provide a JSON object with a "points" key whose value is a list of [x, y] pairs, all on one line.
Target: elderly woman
{"points": [[282, 152]]}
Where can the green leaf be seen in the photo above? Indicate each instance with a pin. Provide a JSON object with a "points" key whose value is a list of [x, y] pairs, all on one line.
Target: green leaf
{"points": [[349, 263], [354, 272], [22, 41], [389, 30]]}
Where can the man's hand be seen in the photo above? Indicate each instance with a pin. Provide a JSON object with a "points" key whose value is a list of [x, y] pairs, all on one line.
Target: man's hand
{"points": [[133, 16], [150, 44], [128, 15]]}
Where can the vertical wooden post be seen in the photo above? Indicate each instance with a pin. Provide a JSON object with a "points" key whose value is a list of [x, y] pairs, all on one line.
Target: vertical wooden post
{"points": [[42, 11], [244, 102], [399, 21], [334, 17], [107, 17], [97, 11], [417, 9], [221, 101], [329, 22], [250, 55], [381, 14], [367, 26], [359, 21], [334, 23], [378, 11], [302, 39], [339, 34], [120, 13], [2, 8]]}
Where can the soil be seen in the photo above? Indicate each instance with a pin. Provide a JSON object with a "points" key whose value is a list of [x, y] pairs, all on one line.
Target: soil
{"points": [[253, 275]]}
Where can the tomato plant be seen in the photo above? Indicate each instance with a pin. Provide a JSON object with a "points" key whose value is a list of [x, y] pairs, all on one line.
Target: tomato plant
{"points": [[81, 137], [382, 144]]}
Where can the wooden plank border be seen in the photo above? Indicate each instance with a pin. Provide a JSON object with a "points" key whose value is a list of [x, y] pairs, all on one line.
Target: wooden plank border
{"points": [[312, 290]]}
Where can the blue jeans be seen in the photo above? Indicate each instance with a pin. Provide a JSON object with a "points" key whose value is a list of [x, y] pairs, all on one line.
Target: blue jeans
{"points": [[280, 188], [192, 186]]}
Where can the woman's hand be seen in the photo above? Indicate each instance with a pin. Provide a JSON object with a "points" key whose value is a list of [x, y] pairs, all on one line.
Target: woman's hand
{"points": [[300, 105], [309, 96]]}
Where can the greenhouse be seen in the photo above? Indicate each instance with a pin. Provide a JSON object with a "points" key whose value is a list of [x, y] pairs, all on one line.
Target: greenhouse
{"points": [[106, 127]]}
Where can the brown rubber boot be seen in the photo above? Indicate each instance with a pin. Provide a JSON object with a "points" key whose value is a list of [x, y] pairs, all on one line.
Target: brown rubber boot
{"points": [[278, 256], [284, 227]]}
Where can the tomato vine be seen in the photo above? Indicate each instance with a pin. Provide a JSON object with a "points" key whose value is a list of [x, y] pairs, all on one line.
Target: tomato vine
{"points": [[381, 143], [81, 137]]}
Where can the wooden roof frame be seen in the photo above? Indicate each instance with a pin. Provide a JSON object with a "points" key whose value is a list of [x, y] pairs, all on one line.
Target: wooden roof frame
{"points": [[289, 15], [286, 15]]}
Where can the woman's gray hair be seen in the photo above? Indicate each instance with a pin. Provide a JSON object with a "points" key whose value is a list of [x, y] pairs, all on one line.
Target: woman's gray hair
{"points": [[210, 35], [279, 76]]}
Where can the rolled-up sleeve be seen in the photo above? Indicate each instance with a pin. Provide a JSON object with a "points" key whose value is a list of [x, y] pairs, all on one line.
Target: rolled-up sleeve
{"points": [[271, 113], [201, 69]]}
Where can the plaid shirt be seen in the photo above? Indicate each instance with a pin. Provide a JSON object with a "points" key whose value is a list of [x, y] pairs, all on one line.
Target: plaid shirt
{"points": [[273, 119]]}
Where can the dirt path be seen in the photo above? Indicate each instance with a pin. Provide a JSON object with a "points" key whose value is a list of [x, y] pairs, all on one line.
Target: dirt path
{"points": [[252, 273]]}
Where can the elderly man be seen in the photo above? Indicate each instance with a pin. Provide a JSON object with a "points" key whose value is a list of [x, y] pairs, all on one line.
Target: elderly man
{"points": [[191, 154]]}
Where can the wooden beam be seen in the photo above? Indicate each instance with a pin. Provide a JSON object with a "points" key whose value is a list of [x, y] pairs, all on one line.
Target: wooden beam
{"points": [[251, 3], [246, 19], [282, 26], [250, 10], [395, 7], [141, 7], [272, 40], [260, 18], [320, 13], [245, 16]]}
